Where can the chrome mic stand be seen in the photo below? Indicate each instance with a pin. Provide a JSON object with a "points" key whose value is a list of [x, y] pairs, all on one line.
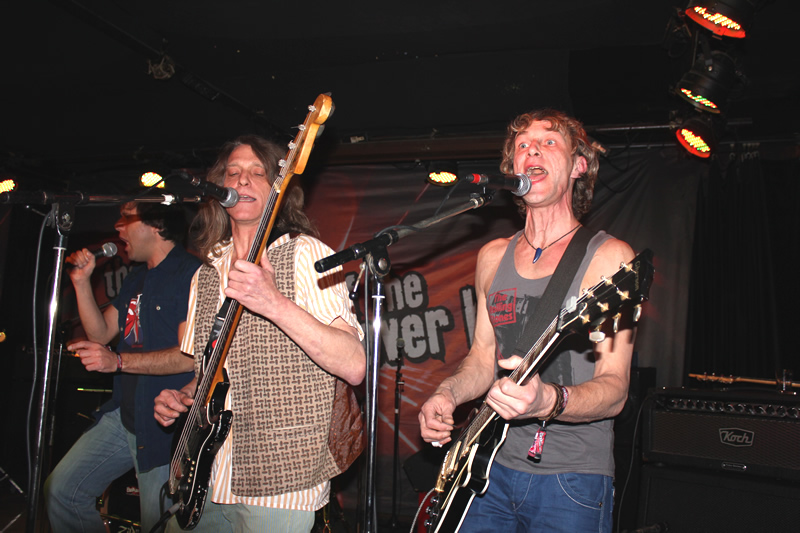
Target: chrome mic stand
{"points": [[376, 260]]}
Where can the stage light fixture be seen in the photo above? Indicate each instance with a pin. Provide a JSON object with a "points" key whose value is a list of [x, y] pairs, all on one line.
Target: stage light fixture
{"points": [[149, 179], [7, 185], [726, 18], [442, 173], [708, 84], [697, 134]]}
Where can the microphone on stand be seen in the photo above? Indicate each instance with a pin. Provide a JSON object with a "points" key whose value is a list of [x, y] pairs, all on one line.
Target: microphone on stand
{"points": [[226, 196], [519, 184], [109, 249]]}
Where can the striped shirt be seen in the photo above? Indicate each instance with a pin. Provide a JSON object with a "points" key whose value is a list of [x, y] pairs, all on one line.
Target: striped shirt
{"points": [[325, 306]]}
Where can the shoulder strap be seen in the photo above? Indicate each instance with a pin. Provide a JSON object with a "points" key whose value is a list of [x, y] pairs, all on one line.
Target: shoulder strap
{"points": [[556, 290]]}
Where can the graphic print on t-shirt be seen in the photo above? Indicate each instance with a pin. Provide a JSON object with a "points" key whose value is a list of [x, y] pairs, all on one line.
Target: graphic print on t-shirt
{"points": [[133, 327], [509, 315], [501, 307]]}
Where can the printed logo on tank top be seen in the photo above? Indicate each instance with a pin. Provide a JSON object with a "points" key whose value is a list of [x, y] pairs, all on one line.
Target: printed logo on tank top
{"points": [[509, 315], [502, 307], [133, 326]]}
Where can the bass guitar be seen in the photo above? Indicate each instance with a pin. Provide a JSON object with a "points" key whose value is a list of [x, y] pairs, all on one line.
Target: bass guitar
{"points": [[207, 423], [464, 473]]}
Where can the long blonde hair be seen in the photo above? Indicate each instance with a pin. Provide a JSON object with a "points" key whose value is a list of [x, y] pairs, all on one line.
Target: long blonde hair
{"points": [[212, 225]]}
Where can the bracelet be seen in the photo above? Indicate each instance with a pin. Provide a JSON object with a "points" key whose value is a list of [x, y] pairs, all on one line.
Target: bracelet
{"points": [[562, 396], [119, 362]]}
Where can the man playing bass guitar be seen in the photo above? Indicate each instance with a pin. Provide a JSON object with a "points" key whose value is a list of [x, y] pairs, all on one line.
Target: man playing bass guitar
{"points": [[297, 342], [580, 389]]}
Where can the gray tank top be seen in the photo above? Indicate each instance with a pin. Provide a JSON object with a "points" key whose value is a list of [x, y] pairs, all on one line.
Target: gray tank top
{"points": [[579, 448]]}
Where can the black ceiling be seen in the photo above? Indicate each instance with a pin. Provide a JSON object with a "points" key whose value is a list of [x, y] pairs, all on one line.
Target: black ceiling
{"points": [[432, 77]]}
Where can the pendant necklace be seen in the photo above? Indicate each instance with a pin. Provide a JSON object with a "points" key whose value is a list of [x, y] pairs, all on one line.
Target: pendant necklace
{"points": [[538, 251]]}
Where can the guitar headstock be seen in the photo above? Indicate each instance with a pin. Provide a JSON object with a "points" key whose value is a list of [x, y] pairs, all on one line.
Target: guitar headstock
{"points": [[300, 147], [294, 163], [630, 286]]}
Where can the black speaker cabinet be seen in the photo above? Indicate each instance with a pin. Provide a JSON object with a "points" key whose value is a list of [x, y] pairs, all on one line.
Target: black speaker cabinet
{"points": [[750, 433], [627, 448], [680, 500]]}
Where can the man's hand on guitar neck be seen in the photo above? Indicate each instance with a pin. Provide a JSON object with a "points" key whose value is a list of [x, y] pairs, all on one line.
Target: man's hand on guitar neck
{"points": [[170, 403], [530, 399]]}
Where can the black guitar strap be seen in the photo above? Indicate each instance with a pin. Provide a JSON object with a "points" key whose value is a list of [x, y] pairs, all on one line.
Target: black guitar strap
{"points": [[550, 303]]}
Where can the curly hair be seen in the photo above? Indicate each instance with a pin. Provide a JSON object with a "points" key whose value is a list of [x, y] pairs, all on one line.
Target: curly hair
{"points": [[212, 224], [573, 131]]}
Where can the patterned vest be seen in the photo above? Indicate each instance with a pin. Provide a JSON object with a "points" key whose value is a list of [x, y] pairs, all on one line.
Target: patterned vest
{"points": [[294, 425]]}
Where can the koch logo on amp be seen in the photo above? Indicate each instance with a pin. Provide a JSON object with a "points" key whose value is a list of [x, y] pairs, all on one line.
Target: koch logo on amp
{"points": [[736, 437]]}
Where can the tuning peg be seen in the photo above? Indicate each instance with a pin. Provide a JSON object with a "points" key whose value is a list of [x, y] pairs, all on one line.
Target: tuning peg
{"points": [[637, 312], [597, 336], [616, 322]]}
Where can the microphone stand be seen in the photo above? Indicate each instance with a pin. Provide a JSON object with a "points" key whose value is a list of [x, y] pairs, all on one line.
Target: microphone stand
{"points": [[398, 394], [377, 262], [62, 217]]}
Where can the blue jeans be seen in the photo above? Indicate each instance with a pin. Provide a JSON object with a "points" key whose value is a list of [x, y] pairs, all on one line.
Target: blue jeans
{"points": [[521, 502], [102, 454]]}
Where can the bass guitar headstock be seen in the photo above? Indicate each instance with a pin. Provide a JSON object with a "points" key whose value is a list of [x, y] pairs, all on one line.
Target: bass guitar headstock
{"points": [[308, 131]]}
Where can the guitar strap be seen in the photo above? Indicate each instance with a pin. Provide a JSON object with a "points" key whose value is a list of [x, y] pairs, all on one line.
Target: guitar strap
{"points": [[553, 297]]}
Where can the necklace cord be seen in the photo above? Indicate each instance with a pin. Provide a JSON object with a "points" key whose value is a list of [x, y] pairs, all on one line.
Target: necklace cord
{"points": [[537, 252]]}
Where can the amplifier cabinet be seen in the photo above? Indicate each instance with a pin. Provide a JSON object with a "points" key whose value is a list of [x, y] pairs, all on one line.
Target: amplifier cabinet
{"points": [[683, 500], [754, 433]]}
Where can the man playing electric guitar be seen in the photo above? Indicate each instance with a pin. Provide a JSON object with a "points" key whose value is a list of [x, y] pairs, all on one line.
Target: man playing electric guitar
{"points": [[581, 388], [297, 341]]}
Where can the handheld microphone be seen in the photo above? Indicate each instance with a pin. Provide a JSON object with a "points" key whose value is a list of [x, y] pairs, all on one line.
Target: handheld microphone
{"points": [[226, 196], [109, 249], [519, 184]]}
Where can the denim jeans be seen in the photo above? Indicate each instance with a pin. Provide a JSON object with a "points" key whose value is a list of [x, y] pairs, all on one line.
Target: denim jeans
{"points": [[521, 502], [241, 518], [102, 454]]}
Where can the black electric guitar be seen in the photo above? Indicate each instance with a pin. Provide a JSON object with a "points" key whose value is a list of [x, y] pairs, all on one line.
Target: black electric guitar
{"points": [[465, 470], [207, 423]]}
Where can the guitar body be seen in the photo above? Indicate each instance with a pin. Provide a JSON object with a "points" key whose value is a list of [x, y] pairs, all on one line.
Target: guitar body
{"points": [[448, 510], [197, 459]]}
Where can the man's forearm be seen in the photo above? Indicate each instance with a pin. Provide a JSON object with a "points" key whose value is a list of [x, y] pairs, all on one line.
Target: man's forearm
{"points": [[92, 319], [471, 380], [157, 363]]}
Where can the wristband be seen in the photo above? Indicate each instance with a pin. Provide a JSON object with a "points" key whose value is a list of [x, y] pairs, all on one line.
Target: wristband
{"points": [[119, 362], [562, 396]]}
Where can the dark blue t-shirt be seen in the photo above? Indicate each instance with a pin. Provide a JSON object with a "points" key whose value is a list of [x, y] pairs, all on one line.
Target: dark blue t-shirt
{"points": [[162, 294]]}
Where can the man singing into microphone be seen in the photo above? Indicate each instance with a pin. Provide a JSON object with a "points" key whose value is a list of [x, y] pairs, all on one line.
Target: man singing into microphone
{"points": [[574, 397], [147, 318]]}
